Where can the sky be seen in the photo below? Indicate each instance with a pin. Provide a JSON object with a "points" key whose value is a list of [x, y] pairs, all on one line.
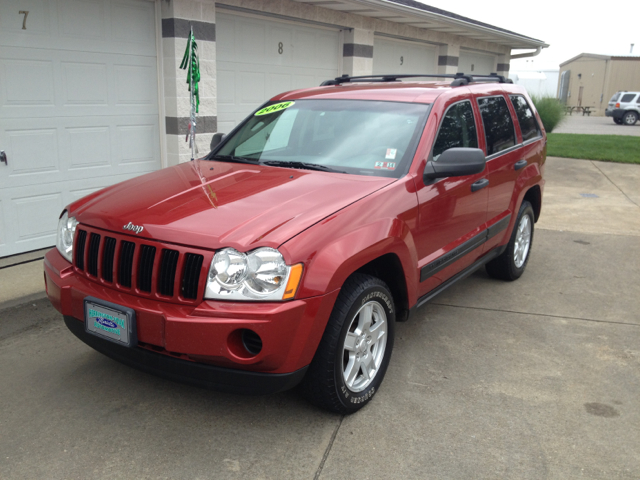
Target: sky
{"points": [[570, 28]]}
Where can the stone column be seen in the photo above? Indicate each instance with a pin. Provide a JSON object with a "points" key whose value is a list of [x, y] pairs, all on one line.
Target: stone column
{"points": [[357, 52], [503, 65], [448, 56], [178, 16]]}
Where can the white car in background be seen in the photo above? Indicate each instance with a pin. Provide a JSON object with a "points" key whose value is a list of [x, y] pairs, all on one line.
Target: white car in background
{"points": [[624, 107]]}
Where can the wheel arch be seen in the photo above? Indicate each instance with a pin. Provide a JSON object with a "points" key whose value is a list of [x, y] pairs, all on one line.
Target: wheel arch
{"points": [[388, 268], [534, 197]]}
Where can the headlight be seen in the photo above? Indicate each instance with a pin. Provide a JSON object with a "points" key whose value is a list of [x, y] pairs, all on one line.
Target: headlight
{"points": [[66, 232], [258, 275]]}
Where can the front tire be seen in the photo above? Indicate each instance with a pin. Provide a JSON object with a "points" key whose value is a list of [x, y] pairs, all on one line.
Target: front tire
{"points": [[355, 350], [630, 118], [511, 263]]}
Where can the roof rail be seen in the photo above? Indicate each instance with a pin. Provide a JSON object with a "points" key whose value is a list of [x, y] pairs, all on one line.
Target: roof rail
{"points": [[458, 78]]}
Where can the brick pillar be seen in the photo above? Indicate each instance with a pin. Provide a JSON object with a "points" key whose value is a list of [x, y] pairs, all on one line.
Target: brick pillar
{"points": [[177, 18], [503, 65], [357, 52], [448, 56]]}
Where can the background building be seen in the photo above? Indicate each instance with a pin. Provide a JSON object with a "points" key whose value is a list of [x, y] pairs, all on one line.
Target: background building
{"points": [[591, 80], [91, 92]]}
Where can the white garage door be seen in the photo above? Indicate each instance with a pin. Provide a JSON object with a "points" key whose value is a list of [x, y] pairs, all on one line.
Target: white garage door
{"points": [[397, 56], [78, 108], [474, 62], [259, 58]]}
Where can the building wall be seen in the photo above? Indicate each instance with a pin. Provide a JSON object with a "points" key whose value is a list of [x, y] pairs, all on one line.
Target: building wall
{"points": [[625, 75], [590, 74]]}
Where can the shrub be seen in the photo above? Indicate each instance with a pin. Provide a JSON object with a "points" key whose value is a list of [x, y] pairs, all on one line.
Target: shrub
{"points": [[551, 111]]}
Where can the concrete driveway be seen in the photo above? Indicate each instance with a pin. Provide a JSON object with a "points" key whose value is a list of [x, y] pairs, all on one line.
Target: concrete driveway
{"points": [[535, 379], [595, 125]]}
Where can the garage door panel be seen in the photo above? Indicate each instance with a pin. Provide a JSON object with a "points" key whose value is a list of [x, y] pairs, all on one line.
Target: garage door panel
{"points": [[138, 147], [85, 84], [83, 18], [132, 85], [251, 39], [226, 87], [39, 21], [27, 83], [277, 83], [3, 230], [275, 53], [40, 146], [251, 89], [88, 147], [133, 23], [37, 216]]}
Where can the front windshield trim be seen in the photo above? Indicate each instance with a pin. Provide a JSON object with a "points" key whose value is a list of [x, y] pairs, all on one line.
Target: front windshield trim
{"points": [[404, 162]]}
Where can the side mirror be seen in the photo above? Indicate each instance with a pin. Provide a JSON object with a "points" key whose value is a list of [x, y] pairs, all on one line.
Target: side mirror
{"points": [[216, 139], [455, 162]]}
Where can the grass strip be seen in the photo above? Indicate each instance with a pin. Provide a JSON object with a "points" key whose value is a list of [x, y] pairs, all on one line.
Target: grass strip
{"points": [[608, 148]]}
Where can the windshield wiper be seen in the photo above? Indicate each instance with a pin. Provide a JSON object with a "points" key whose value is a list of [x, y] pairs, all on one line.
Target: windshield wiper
{"points": [[307, 166], [232, 158]]}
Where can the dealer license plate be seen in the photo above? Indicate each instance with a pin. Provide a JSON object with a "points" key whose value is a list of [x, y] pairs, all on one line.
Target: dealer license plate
{"points": [[110, 321]]}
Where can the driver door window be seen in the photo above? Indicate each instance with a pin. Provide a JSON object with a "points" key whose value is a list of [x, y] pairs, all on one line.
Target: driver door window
{"points": [[458, 129]]}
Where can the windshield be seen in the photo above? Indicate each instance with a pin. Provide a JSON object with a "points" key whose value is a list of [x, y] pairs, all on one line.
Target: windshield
{"points": [[350, 136]]}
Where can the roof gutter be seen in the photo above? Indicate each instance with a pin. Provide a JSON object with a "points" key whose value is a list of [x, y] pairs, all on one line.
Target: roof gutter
{"points": [[526, 54]]}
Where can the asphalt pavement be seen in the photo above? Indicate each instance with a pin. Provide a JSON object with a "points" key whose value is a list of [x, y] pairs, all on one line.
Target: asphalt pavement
{"points": [[534, 379]]}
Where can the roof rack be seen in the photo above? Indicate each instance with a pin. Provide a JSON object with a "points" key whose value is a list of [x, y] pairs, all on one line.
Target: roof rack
{"points": [[458, 78]]}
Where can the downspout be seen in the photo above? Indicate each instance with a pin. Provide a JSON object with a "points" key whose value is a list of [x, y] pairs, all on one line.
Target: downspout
{"points": [[527, 54]]}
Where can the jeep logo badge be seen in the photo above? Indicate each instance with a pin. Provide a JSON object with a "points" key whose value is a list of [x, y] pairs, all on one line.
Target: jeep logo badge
{"points": [[134, 228]]}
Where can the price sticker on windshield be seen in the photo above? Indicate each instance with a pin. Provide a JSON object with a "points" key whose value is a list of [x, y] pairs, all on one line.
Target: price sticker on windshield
{"points": [[385, 166], [276, 107]]}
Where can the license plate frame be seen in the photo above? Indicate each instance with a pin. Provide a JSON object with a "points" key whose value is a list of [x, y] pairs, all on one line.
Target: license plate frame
{"points": [[110, 321]]}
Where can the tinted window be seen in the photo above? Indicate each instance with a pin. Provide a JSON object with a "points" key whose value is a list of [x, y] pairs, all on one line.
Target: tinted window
{"points": [[615, 97], [498, 126], [458, 129], [627, 97], [527, 120]]}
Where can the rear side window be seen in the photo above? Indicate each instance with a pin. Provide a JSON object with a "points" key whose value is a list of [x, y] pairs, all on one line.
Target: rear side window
{"points": [[458, 129], [526, 118], [627, 97], [498, 126]]}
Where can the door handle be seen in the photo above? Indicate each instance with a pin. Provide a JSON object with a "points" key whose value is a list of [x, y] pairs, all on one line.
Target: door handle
{"points": [[520, 164], [479, 185], [3, 157]]}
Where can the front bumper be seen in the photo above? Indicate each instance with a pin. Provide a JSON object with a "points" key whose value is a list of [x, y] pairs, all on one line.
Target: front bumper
{"points": [[192, 373], [200, 344]]}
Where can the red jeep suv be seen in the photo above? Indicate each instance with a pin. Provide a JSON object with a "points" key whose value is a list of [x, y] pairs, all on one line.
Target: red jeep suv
{"points": [[289, 252]]}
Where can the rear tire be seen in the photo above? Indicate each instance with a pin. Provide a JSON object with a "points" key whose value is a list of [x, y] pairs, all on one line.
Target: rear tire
{"points": [[617, 121], [511, 263], [355, 350], [630, 118]]}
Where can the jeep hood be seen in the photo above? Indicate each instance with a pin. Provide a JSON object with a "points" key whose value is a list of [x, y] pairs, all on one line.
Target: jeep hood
{"points": [[212, 204]]}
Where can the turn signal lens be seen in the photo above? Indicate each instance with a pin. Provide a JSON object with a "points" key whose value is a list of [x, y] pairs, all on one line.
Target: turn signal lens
{"points": [[293, 283]]}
